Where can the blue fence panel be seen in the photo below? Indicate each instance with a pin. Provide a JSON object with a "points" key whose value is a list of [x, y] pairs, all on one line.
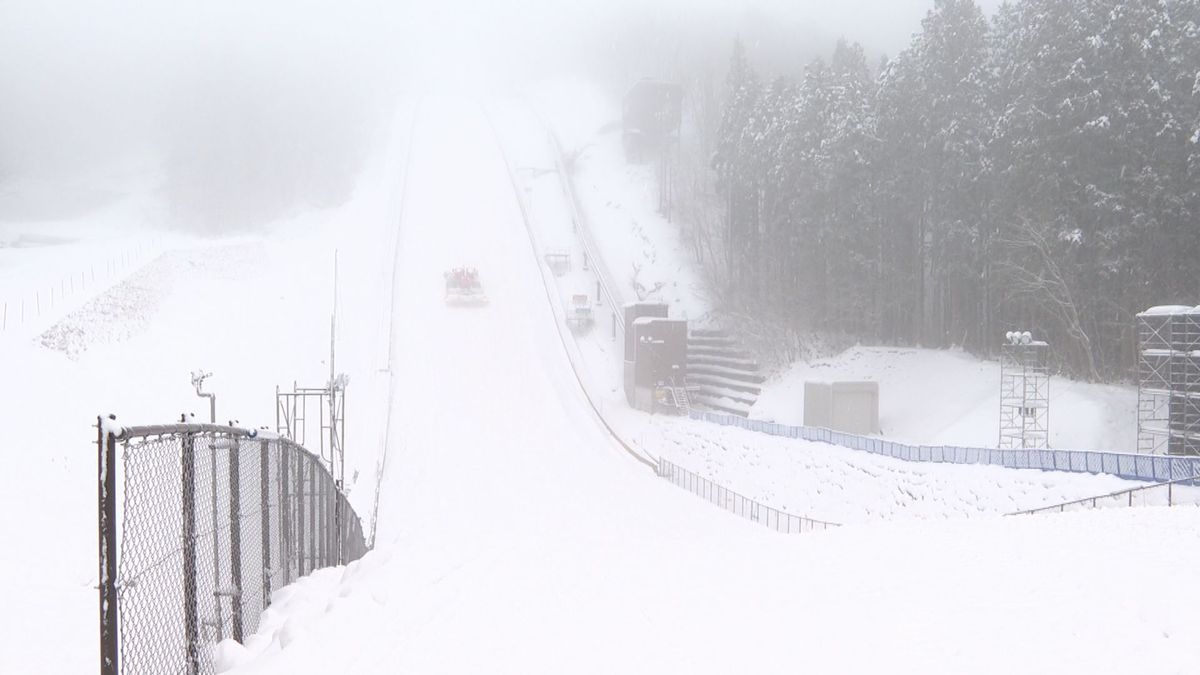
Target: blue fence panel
{"points": [[1079, 461], [1049, 462], [1138, 467], [1184, 467], [1162, 468], [1110, 464], [1126, 466]]}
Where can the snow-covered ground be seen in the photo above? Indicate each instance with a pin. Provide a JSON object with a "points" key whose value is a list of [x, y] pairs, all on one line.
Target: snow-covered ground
{"points": [[253, 309], [611, 590], [926, 396], [813, 479], [949, 397], [643, 250], [837, 484], [516, 537]]}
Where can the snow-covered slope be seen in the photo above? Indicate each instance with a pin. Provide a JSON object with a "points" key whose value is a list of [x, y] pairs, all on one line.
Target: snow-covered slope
{"points": [[516, 537], [252, 309], [642, 249], [926, 396], [948, 397]]}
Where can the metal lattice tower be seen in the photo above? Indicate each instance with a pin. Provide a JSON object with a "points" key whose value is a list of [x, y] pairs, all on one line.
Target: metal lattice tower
{"points": [[1024, 393], [292, 421], [1169, 380]]}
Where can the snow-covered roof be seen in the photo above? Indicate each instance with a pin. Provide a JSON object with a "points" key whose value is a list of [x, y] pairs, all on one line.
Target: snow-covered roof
{"points": [[1162, 310]]}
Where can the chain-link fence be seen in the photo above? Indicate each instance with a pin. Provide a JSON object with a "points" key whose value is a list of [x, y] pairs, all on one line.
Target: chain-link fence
{"points": [[199, 524], [780, 521]]}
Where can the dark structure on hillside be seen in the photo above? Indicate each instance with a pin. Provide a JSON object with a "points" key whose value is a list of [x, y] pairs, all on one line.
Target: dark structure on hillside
{"points": [[655, 359]]}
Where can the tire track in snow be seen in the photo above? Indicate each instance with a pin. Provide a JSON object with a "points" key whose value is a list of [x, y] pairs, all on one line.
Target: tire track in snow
{"points": [[387, 431]]}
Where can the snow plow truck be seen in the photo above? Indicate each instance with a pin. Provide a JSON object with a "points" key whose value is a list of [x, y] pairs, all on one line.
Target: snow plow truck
{"points": [[464, 288]]}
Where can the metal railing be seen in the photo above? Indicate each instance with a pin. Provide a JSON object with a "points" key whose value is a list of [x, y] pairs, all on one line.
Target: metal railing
{"points": [[1181, 491], [198, 525], [1157, 468], [773, 518], [549, 286], [580, 224]]}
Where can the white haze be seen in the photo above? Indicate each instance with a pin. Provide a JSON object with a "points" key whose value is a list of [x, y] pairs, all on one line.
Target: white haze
{"points": [[242, 111]]}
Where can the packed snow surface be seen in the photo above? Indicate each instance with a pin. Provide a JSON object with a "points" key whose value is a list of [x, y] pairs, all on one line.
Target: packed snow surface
{"points": [[516, 537]]}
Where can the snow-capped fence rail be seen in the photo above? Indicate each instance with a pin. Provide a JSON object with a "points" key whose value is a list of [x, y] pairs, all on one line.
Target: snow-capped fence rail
{"points": [[198, 524], [1183, 491], [1157, 468], [780, 521]]}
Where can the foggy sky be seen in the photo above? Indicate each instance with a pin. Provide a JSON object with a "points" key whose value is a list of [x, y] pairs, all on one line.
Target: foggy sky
{"points": [[195, 87]]}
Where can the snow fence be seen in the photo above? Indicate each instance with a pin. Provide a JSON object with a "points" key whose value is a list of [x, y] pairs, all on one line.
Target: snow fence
{"points": [[739, 505], [1157, 468], [199, 524]]}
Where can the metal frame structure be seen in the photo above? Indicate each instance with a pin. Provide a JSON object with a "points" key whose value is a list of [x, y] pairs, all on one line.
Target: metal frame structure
{"points": [[293, 421], [1024, 395], [1169, 381]]}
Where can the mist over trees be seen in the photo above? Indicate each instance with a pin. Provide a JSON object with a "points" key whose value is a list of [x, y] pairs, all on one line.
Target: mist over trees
{"points": [[225, 115], [1036, 170]]}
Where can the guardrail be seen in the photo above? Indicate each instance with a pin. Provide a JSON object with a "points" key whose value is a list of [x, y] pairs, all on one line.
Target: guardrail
{"points": [[768, 516], [1156, 468], [556, 308], [1159, 494], [607, 281], [198, 524]]}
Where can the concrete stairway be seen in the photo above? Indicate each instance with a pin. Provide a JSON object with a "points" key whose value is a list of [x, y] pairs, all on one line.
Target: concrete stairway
{"points": [[725, 378]]}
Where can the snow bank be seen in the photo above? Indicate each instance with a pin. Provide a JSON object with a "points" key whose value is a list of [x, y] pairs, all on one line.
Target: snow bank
{"points": [[939, 397], [846, 486], [1001, 595]]}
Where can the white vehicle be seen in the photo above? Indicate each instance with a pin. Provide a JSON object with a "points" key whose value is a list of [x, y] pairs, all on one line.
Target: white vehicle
{"points": [[579, 312]]}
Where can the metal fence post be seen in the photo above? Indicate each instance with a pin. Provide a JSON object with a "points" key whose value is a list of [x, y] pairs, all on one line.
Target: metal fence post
{"points": [[299, 515], [106, 452], [191, 629], [313, 535], [264, 477], [330, 523], [235, 537], [320, 512], [285, 514], [339, 552]]}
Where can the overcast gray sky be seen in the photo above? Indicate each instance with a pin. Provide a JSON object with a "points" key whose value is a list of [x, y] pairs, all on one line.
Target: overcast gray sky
{"points": [[83, 81], [882, 25]]}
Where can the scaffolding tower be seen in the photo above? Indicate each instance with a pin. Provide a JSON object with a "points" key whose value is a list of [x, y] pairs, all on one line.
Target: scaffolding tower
{"points": [[1024, 393], [1169, 380], [324, 432]]}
